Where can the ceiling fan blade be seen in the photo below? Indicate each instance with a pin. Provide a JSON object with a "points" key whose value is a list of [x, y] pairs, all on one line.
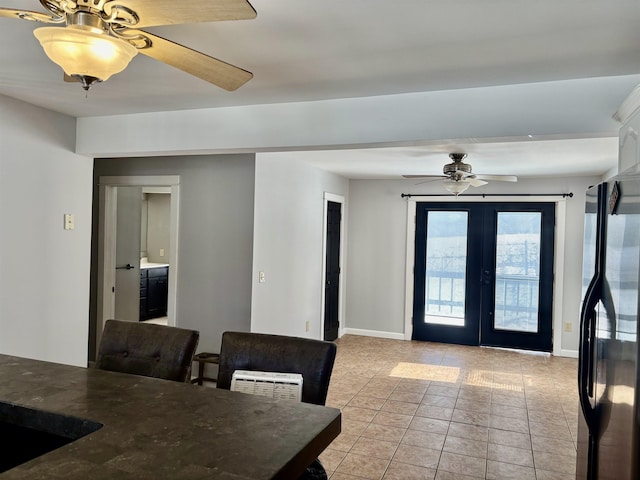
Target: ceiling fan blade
{"points": [[169, 12], [475, 182], [429, 180], [29, 15], [498, 178], [210, 69], [462, 174]]}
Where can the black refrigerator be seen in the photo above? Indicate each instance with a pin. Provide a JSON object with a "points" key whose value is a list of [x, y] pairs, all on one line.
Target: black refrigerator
{"points": [[609, 421]]}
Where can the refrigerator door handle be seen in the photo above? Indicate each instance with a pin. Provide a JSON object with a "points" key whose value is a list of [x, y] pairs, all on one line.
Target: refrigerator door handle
{"points": [[587, 345]]}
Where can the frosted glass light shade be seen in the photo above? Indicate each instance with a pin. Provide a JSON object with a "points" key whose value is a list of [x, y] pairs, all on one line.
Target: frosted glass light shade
{"points": [[83, 52], [456, 187]]}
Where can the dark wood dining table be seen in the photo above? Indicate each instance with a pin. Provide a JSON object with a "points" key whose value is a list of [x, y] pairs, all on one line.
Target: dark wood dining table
{"points": [[156, 429]]}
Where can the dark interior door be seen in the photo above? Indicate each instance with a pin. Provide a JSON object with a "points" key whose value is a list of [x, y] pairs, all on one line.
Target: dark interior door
{"points": [[332, 272], [483, 274]]}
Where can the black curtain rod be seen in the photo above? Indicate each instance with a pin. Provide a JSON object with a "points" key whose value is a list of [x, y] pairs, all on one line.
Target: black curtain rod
{"points": [[484, 195]]}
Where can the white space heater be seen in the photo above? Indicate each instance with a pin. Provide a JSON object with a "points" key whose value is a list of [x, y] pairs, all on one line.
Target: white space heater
{"points": [[286, 386]]}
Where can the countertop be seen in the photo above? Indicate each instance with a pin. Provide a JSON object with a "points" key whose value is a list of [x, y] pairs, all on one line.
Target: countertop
{"points": [[144, 266], [156, 429]]}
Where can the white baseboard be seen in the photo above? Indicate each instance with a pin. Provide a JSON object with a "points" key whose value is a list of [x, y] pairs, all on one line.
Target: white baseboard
{"points": [[400, 336], [373, 333], [566, 353]]}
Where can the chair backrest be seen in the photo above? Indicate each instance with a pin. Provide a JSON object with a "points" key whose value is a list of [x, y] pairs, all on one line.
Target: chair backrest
{"points": [[313, 359], [146, 349]]}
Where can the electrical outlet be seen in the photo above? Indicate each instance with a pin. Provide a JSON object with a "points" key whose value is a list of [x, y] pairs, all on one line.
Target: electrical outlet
{"points": [[568, 326], [69, 221], [162, 252], [261, 277], [307, 325]]}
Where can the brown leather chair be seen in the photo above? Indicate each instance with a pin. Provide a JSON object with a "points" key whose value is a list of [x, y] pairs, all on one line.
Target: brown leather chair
{"points": [[313, 359], [147, 349]]}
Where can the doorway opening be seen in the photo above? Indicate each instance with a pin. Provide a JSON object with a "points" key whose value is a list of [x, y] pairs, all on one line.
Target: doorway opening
{"points": [[483, 274], [154, 248], [122, 248]]}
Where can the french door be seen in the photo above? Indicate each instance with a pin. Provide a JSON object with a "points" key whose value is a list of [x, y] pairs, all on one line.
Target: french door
{"points": [[483, 274]]}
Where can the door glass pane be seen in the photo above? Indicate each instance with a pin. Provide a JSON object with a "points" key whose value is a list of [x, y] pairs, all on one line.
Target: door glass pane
{"points": [[517, 271], [446, 268]]}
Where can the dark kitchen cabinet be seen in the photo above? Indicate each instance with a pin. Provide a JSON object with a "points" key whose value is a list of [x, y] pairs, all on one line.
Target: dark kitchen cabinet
{"points": [[154, 288]]}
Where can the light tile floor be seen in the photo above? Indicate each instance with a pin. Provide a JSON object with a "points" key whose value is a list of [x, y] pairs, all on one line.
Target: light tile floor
{"points": [[420, 410]]}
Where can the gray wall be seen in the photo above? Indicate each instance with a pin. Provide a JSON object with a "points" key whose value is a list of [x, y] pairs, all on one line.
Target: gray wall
{"points": [[376, 256], [158, 216], [215, 238]]}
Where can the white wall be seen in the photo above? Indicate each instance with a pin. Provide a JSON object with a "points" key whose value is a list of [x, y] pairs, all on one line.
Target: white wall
{"points": [[287, 245], [569, 107], [44, 270], [377, 250]]}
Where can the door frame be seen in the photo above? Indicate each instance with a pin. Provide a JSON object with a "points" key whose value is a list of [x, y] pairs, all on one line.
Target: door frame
{"points": [[558, 265], [331, 197], [107, 216]]}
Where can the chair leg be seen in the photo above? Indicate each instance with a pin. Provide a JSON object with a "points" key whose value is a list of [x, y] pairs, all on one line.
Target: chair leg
{"points": [[315, 471]]}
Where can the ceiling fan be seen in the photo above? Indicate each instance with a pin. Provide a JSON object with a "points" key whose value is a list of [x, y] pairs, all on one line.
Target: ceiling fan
{"points": [[100, 37], [458, 175]]}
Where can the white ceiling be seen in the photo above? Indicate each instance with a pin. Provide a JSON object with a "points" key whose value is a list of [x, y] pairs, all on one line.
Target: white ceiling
{"points": [[299, 50], [522, 158]]}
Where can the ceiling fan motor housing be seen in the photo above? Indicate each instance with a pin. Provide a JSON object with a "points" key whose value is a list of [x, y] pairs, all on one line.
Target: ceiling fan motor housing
{"points": [[457, 165]]}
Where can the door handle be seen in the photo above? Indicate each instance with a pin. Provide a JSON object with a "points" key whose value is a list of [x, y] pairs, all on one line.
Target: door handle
{"points": [[128, 266], [586, 347]]}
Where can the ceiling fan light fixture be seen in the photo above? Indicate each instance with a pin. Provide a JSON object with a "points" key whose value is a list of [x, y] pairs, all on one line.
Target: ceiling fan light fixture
{"points": [[455, 187], [85, 52]]}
